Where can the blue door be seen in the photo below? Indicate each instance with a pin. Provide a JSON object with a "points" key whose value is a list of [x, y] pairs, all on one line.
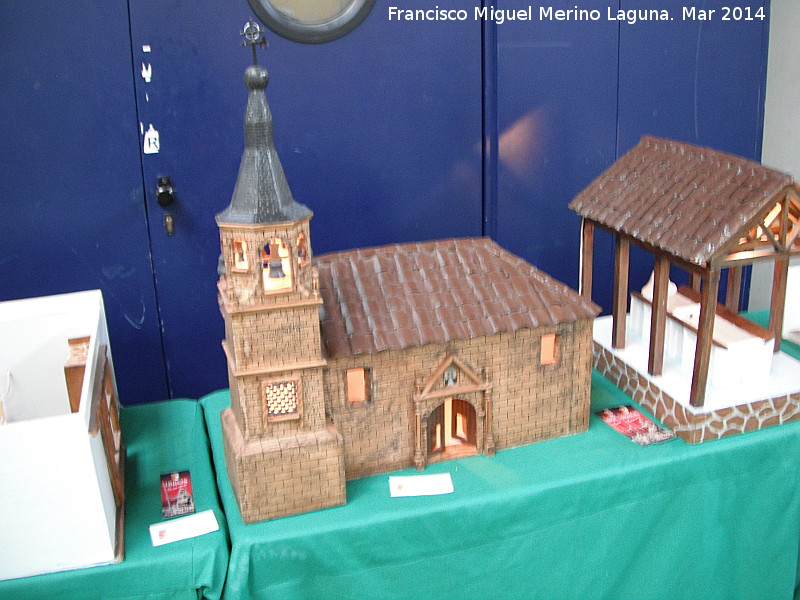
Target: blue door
{"points": [[556, 130], [71, 190]]}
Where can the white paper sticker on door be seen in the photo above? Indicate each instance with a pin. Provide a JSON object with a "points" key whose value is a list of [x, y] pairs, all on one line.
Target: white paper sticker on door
{"points": [[151, 141]]}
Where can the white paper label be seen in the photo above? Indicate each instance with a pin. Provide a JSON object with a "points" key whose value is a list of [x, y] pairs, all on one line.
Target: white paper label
{"points": [[183, 528], [152, 142], [420, 485]]}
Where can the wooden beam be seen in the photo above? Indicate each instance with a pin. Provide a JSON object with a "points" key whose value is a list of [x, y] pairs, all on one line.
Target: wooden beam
{"points": [[622, 254], [677, 261], [749, 257], [778, 300], [694, 281], [587, 258], [783, 234], [705, 335], [793, 223], [658, 316], [733, 289]]}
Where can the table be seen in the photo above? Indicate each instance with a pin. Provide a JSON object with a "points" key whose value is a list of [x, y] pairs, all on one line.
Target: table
{"points": [[588, 516], [160, 437]]}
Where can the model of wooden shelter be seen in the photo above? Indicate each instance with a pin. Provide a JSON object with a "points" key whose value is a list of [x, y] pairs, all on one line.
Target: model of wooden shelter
{"points": [[699, 209]]}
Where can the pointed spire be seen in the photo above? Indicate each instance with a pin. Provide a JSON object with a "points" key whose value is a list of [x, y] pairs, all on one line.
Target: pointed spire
{"points": [[261, 194]]}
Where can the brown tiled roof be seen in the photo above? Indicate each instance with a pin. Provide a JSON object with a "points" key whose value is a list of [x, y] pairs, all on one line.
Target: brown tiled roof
{"points": [[687, 200], [404, 295]]}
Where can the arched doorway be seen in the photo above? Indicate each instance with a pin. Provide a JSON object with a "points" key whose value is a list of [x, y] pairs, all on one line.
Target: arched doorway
{"points": [[452, 430]]}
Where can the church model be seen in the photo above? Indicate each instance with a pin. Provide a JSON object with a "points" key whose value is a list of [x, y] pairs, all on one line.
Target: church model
{"points": [[701, 368], [367, 361]]}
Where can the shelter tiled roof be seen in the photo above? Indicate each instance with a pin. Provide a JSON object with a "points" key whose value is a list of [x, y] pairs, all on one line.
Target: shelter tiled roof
{"points": [[404, 295], [687, 200]]}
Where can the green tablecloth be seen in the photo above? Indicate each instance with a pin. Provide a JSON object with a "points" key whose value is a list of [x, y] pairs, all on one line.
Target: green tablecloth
{"points": [[588, 516], [160, 437]]}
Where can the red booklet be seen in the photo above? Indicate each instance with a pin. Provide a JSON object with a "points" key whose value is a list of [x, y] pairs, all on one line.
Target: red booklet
{"points": [[630, 422], [176, 494]]}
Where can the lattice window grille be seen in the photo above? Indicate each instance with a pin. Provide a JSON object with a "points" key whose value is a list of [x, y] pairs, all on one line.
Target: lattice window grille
{"points": [[282, 399]]}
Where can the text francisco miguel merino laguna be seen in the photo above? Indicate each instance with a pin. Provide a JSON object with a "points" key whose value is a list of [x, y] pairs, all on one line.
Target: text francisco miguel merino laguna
{"points": [[548, 13]]}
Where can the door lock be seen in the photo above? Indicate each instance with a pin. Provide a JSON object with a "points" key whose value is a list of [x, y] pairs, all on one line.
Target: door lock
{"points": [[165, 192], [169, 224]]}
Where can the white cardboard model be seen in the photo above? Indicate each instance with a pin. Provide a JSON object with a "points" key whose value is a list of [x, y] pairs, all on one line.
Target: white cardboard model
{"points": [[60, 474]]}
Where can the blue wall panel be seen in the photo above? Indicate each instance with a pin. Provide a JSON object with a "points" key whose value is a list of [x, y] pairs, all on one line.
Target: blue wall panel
{"points": [[699, 81], [71, 188], [556, 105], [380, 131], [194, 99]]}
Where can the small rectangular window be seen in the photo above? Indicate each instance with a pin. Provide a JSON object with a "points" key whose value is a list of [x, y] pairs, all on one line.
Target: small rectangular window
{"points": [[548, 349], [357, 383], [240, 255], [276, 266]]}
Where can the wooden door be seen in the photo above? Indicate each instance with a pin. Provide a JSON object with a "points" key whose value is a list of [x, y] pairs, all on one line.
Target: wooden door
{"points": [[436, 431], [463, 422]]}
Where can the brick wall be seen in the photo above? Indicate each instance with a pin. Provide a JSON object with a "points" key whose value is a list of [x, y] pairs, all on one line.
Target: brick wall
{"points": [[286, 476], [273, 337], [247, 403], [530, 402]]}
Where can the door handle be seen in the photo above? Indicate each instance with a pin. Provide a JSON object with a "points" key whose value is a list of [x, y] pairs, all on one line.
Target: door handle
{"points": [[165, 191]]}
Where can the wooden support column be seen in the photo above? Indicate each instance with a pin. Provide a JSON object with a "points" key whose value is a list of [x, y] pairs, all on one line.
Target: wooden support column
{"points": [[622, 254], [694, 281], [587, 258], [419, 456], [778, 300], [487, 429], [733, 289], [705, 335], [658, 316]]}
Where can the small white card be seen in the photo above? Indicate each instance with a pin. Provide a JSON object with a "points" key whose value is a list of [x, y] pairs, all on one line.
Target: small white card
{"points": [[183, 528], [420, 485]]}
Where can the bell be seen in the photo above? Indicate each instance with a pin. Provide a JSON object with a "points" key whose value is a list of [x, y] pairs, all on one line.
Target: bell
{"points": [[276, 270]]}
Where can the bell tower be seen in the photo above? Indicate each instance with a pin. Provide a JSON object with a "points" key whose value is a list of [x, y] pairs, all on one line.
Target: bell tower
{"points": [[269, 299]]}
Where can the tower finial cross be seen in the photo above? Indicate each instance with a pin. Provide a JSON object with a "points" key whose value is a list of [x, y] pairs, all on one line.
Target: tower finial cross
{"points": [[253, 37]]}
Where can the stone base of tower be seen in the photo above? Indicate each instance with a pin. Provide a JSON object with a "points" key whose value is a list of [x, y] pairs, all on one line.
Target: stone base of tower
{"points": [[278, 477]]}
